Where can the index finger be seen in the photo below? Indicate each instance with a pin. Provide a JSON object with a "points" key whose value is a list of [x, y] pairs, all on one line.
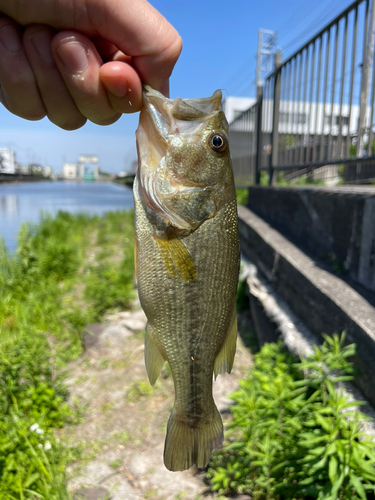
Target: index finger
{"points": [[152, 42]]}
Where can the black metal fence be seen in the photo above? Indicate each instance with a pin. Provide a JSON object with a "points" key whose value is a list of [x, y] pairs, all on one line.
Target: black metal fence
{"points": [[315, 114]]}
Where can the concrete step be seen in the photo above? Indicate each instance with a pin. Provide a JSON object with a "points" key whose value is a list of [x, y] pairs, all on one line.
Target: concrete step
{"points": [[321, 300]]}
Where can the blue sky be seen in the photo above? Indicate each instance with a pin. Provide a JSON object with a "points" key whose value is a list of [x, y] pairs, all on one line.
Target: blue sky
{"points": [[220, 44]]}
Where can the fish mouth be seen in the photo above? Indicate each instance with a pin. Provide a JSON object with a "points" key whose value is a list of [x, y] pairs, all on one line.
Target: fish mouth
{"points": [[179, 116], [163, 118], [162, 121]]}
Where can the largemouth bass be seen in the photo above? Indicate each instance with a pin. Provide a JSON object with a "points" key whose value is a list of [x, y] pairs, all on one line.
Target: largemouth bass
{"points": [[187, 260]]}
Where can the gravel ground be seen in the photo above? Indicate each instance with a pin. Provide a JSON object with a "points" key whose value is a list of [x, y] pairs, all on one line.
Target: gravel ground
{"points": [[125, 419]]}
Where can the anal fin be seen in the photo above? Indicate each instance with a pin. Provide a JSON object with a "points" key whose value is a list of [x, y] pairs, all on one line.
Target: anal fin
{"points": [[154, 361], [224, 360], [176, 258]]}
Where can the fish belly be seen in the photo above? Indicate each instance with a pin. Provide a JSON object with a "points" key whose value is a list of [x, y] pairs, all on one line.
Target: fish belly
{"points": [[188, 325]]}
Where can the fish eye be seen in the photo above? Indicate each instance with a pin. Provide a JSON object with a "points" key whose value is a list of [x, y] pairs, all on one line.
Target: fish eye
{"points": [[218, 142]]}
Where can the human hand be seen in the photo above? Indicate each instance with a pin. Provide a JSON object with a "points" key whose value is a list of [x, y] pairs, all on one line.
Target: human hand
{"points": [[77, 60]]}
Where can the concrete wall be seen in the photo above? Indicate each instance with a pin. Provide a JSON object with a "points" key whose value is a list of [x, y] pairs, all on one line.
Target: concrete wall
{"points": [[321, 300], [337, 224]]}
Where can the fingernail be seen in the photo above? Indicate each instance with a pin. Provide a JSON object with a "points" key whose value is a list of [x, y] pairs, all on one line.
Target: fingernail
{"points": [[73, 55], [9, 39], [42, 43], [118, 89]]}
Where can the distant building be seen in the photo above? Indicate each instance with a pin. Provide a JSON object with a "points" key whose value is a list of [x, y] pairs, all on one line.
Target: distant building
{"points": [[7, 161], [234, 106], [21, 168], [47, 171], [70, 171], [81, 169]]}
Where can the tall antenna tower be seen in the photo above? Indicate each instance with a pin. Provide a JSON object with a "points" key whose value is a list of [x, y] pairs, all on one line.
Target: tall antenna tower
{"points": [[267, 40]]}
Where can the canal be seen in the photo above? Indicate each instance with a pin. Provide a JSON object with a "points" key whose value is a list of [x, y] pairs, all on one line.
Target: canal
{"points": [[25, 202]]}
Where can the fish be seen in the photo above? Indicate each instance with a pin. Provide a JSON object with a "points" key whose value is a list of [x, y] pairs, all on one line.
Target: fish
{"points": [[187, 258]]}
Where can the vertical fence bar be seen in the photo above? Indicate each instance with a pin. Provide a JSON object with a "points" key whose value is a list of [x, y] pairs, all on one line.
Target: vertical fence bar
{"points": [[317, 99], [339, 142], [363, 102], [371, 133], [339, 145], [323, 137], [283, 116], [310, 102], [333, 90], [299, 113], [289, 71], [258, 157], [292, 131], [354, 48], [305, 128], [275, 118]]}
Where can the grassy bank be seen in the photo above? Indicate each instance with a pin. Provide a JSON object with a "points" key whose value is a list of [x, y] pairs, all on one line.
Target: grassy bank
{"points": [[67, 272]]}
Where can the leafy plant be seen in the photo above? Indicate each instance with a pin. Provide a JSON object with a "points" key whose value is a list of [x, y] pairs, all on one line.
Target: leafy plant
{"points": [[294, 434], [242, 196]]}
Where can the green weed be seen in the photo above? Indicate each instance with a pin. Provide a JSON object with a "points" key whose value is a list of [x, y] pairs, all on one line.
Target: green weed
{"points": [[294, 434], [242, 196]]}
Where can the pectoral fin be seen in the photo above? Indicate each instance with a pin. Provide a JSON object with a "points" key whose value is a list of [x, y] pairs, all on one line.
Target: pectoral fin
{"points": [[177, 258], [224, 360], [154, 361]]}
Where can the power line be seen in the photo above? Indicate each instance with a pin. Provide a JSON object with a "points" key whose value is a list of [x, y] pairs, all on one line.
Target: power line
{"points": [[313, 25], [240, 79]]}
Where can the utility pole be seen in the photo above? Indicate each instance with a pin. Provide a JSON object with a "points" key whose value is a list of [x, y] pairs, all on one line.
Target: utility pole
{"points": [[266, 49], [366, 81]]}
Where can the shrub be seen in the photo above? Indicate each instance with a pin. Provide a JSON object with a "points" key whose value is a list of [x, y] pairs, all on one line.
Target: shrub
{"points": [[293, 433]]}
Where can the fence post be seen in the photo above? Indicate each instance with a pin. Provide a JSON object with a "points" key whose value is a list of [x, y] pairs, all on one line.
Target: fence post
{"points": [[275, 118], [258, 158], [365, 84]]}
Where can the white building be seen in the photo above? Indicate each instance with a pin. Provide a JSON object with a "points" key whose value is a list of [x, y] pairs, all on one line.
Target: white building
{"points": [[234, 106], [298, 118], [70, 171], [7, 161]]}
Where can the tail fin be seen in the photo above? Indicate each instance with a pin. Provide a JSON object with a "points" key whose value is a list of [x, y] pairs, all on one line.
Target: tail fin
{"points": [[186, 445]]}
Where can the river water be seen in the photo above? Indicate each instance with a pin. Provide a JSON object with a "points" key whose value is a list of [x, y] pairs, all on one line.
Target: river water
{"points": [[24, 202]]}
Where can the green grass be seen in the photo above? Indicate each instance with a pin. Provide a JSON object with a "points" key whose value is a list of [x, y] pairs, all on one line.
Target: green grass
{"points": [[68, 271]]}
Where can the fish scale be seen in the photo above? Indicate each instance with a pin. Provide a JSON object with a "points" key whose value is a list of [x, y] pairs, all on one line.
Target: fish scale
{"points": [[187, 280]]}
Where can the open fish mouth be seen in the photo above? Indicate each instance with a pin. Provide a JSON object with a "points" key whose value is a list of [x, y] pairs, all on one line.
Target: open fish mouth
{"points": [[181, 117], [166, 125]]}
